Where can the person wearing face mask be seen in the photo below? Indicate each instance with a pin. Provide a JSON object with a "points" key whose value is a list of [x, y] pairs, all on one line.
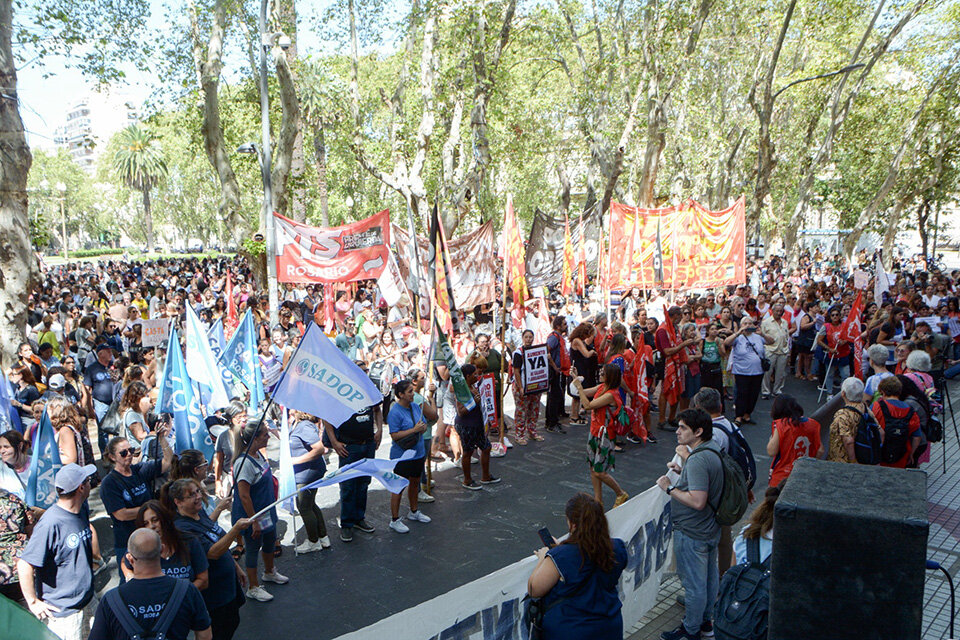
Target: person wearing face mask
{"points": [[127, 487]]}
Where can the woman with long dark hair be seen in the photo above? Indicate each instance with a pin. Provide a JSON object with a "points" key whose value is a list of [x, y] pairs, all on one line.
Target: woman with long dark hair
{"points": [[760, 527], [583, 572], [180, 556]]}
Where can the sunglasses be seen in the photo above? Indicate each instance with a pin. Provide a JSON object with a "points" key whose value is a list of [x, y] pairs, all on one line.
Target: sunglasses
{"points": [[125, 453]]}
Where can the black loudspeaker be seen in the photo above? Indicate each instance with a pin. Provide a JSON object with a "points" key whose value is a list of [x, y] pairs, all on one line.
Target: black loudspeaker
{"points": [[849, 553]]}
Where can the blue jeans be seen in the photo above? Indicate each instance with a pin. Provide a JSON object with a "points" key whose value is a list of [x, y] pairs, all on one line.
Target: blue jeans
{"points": [[841, 366], [267, 541], [353, 493], [700, 576]]}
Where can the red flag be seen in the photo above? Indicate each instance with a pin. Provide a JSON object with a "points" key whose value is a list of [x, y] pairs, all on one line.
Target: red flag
{"points": [[603, 270], [513, 259], [329, 308], [858, 358], [672, 382], [566, 283], [850, 329], [232, 321]]}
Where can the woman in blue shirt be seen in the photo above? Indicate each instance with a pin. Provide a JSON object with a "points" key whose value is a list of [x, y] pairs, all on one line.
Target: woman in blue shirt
{"points": [[407, 424], [578, 578], [306, 451], [180, 556]]}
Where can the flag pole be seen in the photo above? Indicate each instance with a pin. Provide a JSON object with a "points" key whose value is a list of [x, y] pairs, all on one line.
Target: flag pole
{"points": [[503, 352]]}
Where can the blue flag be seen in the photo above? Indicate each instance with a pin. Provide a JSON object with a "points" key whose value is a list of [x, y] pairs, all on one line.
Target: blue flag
{"points": [[322, 381], [43, 466], [377, 468], [217, 344], [202, 366], [240, 358], [9, 416], [287, 476], [176, 397]]}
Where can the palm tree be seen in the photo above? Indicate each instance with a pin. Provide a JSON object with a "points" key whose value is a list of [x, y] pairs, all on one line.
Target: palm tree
{"points": [[139, 162]]}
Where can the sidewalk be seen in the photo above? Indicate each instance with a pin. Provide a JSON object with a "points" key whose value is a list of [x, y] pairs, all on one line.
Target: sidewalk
{"points": [[943, 545]]}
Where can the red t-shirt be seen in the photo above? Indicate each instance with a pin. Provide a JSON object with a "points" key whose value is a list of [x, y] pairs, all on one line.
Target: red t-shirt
{"points": [[897, 409], [833, 333], [796, 441], [605, 415]]}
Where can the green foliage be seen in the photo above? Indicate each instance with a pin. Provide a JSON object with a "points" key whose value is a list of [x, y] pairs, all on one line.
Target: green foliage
{"points": [[254, 247], [88, 253]]}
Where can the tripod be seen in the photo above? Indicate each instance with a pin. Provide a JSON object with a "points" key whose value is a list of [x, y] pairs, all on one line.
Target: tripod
{"points": [[948, 406]]}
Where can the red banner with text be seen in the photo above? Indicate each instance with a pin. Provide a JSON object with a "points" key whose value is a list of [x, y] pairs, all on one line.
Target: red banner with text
{"points": [[700, 248], [355, 251]]}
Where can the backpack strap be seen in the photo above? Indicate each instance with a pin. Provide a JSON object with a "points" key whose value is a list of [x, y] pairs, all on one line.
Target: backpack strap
{"points": [[115, 603], [165, 621]]}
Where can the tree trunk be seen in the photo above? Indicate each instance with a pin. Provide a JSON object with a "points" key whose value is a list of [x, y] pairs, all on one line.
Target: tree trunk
{"points": [[320, 156], [19, 271], [208, 68], [890, 236], [923, 215], [148, 220], [287, 19], [290, 130]]}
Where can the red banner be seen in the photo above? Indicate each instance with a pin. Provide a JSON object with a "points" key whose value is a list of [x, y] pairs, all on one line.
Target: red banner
{"points": [[355, 251], [700, 248]]}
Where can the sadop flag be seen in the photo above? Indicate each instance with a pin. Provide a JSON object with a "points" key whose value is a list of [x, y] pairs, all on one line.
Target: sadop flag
{"points": [[9, 416], [176, 397], [445, 355], [218, 343], [44, 465], [322, 381], [287, 479], [202, 366], [240, 358]]}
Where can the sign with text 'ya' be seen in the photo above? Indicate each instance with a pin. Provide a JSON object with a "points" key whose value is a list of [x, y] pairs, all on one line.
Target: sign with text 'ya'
{"points": [[536, 369]]}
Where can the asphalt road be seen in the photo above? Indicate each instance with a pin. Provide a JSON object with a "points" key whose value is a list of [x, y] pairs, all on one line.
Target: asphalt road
{"points": [[472, 534]]}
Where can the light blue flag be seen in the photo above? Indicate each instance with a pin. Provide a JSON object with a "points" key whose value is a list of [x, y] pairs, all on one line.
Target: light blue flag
{"points": [[240, 358], [322, 381], [217, 344], [43, 466], [202, 366], [9, 416], [377, 468], [176, 397], [287, 479]]}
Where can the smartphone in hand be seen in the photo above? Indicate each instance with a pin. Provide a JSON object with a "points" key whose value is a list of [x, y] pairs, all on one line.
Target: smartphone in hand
{"points": [[546, 538]]}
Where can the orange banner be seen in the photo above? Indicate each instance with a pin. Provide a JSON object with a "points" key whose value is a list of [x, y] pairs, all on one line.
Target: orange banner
{"points": [[700, 248]]}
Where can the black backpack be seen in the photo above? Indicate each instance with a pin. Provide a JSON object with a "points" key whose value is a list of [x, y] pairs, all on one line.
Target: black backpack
{"points": [[867, 443], [159, 631], [740, 451], [744, 598], [896, 432]]}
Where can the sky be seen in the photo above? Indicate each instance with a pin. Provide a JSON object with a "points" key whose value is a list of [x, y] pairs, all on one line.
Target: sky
{"points": [[47, 88]]}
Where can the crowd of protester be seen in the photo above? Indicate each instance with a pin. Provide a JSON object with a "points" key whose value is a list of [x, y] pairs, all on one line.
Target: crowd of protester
{"points": [[650, 363]]}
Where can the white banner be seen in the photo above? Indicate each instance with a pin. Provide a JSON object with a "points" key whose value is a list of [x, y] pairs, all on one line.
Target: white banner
{"points": [[492, 607], [488, 400], [391, 283], [155, 332]]}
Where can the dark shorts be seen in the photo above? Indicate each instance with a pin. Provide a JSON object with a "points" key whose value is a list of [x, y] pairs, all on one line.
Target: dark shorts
{"points": [[472, 437], [410, 468]]}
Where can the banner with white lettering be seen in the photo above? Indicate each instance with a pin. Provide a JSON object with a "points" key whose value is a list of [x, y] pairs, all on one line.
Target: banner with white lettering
{"points": [[544, 255], [536, 369], [155, 332], [493, 606], [355, 251]]}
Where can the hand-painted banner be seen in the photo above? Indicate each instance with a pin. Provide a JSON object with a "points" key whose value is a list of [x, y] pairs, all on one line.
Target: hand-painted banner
{"points": [[472, 262], [355, 251], [494, 606], [545, 247], [700, 248]]}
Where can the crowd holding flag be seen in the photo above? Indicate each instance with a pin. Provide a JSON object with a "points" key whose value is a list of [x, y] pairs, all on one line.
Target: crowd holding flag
{"points": [[439, 269], [513, 259], [850, 331], [240, 358], [287, 479], [176, 397], [672, 382], [232, 321], [202, 365], [566, 284]]}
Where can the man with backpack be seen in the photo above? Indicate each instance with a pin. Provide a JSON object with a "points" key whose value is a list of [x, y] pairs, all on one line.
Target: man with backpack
{"points": [[899, 423], [695, 499], [843, 429], [151, 604], [730, 439]]}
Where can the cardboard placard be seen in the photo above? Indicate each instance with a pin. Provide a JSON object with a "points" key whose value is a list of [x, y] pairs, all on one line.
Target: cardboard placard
{"points": [[488, 400], [155, 332], [860, 279], [536, 369]]}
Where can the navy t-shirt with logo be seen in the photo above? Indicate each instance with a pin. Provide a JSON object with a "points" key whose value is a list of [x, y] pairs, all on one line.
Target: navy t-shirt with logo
{"points": [[187, 568], [222, 571], [122, 492], [146, 599], [97, 377], [60, 550]]}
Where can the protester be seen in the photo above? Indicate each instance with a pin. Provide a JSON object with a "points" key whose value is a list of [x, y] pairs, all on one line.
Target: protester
{"points": [[746, 363], [778, 328], [583, 574], [150, 600], [14, 453], [794, 436], [759, 528], [16, 527], [877, 355], [253, 491], [899, 424], [843, 428], [180, 556], [559, 363], [58, 557], [307, 452], [696, 532], [605, 404], [128, 486]]}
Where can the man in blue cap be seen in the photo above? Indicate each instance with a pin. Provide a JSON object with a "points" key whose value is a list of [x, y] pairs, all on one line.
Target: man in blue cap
{"points": [[98, 379]]}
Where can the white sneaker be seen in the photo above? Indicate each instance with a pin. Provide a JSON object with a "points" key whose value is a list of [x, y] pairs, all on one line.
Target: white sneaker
{"points": [[307, 547], [276, 577], [259, 594], [399, 527], [324, 542], [418, 516], [425, 497]]}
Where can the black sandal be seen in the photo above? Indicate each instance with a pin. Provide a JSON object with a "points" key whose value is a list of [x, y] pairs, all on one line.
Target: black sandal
{"points": [[237, 552]]}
